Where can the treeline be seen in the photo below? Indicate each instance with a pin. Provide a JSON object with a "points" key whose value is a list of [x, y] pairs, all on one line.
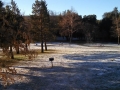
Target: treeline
{"points": [[17, 30], [70, 25]]}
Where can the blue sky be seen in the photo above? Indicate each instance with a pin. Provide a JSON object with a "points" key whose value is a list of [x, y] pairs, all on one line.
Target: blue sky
{"points": [[82, 7]]}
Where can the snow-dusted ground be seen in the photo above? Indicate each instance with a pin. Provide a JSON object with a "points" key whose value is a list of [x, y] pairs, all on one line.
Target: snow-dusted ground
{"points": [[76, 67]]}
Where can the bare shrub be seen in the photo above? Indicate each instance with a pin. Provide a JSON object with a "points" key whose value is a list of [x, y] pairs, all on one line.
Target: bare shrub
{"points": [[31, 54], [6, 75], [6, 53]]}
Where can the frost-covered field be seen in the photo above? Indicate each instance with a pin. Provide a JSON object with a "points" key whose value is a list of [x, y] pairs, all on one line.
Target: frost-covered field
{"points": [[76, 67]]}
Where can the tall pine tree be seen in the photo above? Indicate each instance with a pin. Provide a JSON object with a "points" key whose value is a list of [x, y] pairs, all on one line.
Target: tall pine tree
{"points": [[40, 21]]}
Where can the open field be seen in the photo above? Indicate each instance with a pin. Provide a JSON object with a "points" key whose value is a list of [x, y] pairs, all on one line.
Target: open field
{"points": [[75, 67]]}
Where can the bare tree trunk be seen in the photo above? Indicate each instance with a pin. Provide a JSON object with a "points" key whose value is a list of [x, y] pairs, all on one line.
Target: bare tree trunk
{"points": [[26, 47], [45, 46], [70, 36], [118, 39], [11, 52], [17, 50], [3, 50], [42, 50]]}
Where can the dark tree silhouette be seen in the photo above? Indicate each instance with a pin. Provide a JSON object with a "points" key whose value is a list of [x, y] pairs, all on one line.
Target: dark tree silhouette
{"points": [[40, 22]]}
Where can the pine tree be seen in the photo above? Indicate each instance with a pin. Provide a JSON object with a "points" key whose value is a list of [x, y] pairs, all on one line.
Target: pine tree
{"points": [[17, 20], [2, 24], [19, 26], [11, 25], [40, 21]]}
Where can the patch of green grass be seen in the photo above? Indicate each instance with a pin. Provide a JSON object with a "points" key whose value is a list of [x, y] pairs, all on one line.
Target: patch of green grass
{"points": [[20, 57], [4, 61]]}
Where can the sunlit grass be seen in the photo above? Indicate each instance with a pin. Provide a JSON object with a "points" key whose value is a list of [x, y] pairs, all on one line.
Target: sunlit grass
{"points": [[4, 61], [20, 57]]}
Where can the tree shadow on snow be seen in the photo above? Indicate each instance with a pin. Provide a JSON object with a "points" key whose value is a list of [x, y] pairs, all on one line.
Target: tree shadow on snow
{"points": [[93, 57], [91, 73]]}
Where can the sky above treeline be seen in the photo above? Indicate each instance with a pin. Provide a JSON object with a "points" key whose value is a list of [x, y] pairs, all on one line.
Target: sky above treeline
{"points": [[82, 7]]}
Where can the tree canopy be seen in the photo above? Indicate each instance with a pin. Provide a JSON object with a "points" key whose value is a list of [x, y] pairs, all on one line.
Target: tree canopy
{"points": [[43, 25]]}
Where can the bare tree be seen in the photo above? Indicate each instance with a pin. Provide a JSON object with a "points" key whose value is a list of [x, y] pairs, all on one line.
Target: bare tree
{"points": [[69, 23]]}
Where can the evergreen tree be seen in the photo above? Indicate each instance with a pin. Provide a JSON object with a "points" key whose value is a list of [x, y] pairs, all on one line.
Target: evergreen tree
{"points": [[11, 33], [40, 21], [2, 25]]}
